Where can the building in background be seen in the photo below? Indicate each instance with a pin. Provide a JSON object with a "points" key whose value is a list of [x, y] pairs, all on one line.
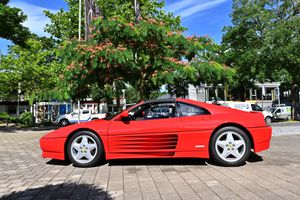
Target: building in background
{"points": [[264, 94]]}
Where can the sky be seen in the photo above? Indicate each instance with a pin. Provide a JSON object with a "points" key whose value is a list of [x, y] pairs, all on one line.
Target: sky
{"points": [[200, 17]]}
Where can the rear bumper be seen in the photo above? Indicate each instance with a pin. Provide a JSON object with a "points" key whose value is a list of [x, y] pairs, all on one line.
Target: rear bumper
{"points": [[53, 148], [261, 138]]}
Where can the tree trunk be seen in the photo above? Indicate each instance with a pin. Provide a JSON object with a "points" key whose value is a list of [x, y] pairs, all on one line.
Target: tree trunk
{"points": [[98, 106], [294, 98], [118, 107]]}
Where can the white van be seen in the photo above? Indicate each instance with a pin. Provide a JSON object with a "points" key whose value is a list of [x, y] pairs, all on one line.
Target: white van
{"points": [[247, 106], [281, 112]]}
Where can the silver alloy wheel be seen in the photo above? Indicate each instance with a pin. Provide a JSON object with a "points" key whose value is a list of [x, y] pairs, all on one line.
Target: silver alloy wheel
{"points": [[84, 149], [230, 146]]}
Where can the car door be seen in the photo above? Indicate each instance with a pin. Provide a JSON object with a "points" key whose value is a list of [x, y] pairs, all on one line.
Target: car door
{"points": [[151, 131], [278, 113], [73, 117], [85, 115], [197, 124]]}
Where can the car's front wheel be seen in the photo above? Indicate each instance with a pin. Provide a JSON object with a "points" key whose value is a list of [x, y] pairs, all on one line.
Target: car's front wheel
{"points": [[84, 149], [64, 122], [230, 146]]}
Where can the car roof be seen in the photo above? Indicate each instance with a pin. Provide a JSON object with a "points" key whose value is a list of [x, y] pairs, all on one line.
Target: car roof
{"points": [[166, 100]]}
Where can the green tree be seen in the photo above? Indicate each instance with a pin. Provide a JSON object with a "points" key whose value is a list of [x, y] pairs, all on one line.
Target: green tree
{"points": [[204, 69], [34, 67], [64, 24], [146, 55], [263, 42], [11, 27]]}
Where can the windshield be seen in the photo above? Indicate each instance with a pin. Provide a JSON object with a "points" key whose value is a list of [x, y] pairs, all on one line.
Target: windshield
{"points": [[109, 116], [272, 109]]}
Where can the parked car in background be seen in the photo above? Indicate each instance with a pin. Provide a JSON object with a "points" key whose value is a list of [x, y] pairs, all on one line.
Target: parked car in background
{"points": [[281, 112], [85, 115], [247, 106]]}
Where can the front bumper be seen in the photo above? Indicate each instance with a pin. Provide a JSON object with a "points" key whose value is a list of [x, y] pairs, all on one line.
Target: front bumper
{"points": [[53, 148], [261, 137]]}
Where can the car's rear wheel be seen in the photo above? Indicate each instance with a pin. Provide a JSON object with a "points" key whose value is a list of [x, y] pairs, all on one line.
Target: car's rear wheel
{"points": [[85, 149], [230, 146], [64, 122], [268, 120]]}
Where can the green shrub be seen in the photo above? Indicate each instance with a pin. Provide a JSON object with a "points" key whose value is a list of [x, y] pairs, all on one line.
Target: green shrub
{"points": [[5, 117], [26, 119], [14, 120]]}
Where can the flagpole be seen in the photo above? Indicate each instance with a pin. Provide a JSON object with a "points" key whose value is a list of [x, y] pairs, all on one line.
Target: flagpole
{"points": [[79, 38]]}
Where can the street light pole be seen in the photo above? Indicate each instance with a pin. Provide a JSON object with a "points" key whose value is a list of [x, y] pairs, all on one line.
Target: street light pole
{"points": [[19, 92], [79, 21], [79, 38]]}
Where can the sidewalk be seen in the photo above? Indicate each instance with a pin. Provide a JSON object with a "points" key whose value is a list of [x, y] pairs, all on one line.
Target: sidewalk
{"points": [[273, 174]]}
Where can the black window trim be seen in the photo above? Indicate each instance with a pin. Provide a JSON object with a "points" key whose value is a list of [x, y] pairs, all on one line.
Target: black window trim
{"points": [[157, 102], [180, 113]]}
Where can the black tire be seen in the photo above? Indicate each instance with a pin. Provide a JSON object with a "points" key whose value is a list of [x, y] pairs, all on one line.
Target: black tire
{"points": [[268, 120], [64, 122], [213, 151], [98, 156]]}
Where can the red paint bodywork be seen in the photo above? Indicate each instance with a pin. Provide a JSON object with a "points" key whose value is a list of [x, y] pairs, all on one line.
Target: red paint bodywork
{"points": [[187, 136]]}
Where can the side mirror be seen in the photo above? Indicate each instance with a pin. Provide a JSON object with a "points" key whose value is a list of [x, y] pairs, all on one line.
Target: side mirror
{"points": [[124, 115]]}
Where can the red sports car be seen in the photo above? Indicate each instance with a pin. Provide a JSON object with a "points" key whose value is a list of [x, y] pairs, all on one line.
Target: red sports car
{"points": [[164, 128]]}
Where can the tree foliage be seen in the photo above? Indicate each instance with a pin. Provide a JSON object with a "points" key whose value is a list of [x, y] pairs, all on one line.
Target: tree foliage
{"points": [[34, 67], [263, 41], [64, 24], [146, 55], [121, 54], [11, 27]]}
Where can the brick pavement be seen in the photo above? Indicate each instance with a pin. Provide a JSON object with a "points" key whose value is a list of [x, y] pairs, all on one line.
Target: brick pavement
{"points": [[25, 175]]}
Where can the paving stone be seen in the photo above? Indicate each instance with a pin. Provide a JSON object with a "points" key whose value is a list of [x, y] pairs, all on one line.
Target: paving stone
{"points": [[24, 174]]}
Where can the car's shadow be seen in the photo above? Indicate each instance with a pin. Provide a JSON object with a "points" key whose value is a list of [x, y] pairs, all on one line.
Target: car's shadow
{"points": [[254, 158], [159, 161], [61, 191], [58, 162], [178, 161]]}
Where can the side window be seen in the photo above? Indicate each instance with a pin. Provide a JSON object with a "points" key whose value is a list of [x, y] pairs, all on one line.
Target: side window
{"points": [[256, 107], [191, 110], [278, 110], [153, 111], [85, 112]]}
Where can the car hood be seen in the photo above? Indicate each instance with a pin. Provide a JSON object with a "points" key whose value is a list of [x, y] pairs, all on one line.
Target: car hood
{"points": [[267, 113], [99, 126]]}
